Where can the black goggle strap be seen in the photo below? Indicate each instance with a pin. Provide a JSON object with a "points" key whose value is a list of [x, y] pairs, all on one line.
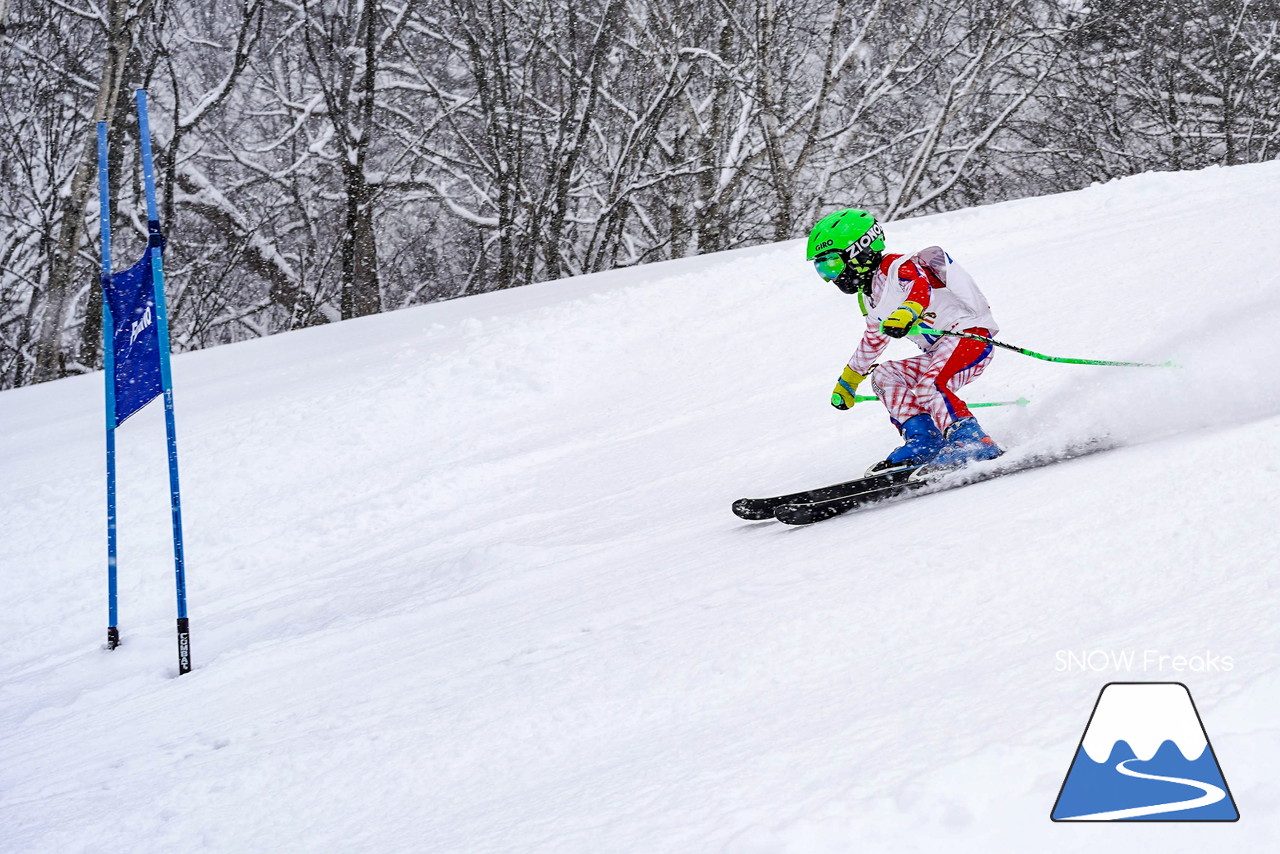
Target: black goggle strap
{"points": [[863, 243]]}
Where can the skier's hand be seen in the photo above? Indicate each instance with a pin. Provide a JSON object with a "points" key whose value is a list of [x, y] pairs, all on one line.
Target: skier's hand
{"points": [[846, 389], [899, 323]]}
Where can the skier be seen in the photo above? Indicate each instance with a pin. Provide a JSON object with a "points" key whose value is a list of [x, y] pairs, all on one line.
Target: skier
{"points": [[926, 290]]}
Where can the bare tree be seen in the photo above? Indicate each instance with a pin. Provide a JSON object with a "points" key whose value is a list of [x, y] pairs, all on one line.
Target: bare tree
{"points": [[117, 28]]}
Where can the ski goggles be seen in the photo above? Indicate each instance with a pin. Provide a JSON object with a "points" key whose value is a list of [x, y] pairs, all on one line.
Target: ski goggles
{"points": [[831, 264]]}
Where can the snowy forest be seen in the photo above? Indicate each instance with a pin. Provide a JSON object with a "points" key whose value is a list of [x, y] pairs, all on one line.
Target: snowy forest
{"points": [[320, 160]]}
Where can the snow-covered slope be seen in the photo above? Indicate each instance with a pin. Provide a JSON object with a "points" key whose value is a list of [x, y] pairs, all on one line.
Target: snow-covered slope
{"points": [[464, 578]]}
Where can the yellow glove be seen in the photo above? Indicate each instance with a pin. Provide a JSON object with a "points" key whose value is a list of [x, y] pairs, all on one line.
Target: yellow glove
{"points": [[902, 319], [846, 389]]}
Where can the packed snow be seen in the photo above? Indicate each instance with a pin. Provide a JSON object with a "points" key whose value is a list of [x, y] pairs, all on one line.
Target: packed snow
{"points": [[464, 578]]}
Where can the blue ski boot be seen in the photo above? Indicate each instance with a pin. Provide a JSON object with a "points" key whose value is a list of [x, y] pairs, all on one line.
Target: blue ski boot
{"points": [[966, 442], [923, 442]]}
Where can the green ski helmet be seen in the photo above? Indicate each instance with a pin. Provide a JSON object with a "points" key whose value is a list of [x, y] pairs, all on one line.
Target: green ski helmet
{"points": [[845, 248]]}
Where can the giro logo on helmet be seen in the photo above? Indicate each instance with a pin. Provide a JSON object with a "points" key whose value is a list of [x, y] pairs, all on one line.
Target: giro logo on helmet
{"points": [[824, 244]]}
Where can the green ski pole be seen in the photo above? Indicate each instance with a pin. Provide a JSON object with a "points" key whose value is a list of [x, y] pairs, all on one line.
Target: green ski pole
{"points": [[922, 331], [1022, 401]]}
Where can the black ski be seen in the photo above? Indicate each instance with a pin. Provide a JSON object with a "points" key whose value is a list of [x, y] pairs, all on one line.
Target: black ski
{"points": [[756, 509], [810, 510]]}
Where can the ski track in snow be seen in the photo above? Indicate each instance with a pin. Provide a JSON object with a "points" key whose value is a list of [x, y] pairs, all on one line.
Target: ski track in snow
{"points": [[464, 578]]}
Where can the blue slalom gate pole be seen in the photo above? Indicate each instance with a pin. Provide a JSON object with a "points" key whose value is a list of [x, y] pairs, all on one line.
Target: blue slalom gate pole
{"points": [[108, 372], [155, 241]]}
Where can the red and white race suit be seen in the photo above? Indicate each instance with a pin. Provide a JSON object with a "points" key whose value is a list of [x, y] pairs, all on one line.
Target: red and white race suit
{"points": [[952, 302]]}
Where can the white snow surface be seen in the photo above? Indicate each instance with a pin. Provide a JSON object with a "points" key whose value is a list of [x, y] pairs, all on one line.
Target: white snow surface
{"points": [[464, 578]]}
